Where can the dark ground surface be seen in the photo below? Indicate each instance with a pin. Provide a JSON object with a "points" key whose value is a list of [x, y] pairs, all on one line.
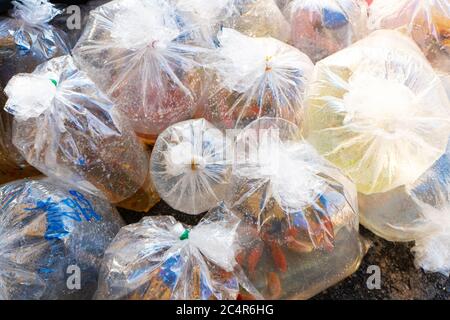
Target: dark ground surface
{"points": [[399, 278]]}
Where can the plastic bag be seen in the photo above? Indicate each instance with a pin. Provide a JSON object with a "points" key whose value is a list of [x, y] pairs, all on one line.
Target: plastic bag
{"points": [[378, 111], [206, 18], [260, 18], [190, 166], [418, 212], [426, 21], [47, 232], [12, 164], [143, 55], [160, 258], [68, 129], [322, 27], [254, 77], [300, 221], [257, 18], [27, 39]]}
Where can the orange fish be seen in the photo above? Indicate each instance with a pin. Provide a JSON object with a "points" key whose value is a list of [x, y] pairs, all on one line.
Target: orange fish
{"points": [[254, 257], [278, 256], [274, 285]]}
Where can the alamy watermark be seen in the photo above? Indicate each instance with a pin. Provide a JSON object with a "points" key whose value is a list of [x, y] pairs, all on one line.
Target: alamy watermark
{"points": [[74, 277], [374, 280], [73, 22]]}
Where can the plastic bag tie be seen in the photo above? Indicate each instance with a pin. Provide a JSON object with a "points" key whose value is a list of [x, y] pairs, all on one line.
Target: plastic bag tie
{"points": [[185, 235]]}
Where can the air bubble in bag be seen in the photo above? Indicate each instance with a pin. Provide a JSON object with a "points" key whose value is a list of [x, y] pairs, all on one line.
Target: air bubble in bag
{"points": [[321, 27], [299, 231], [378, 111], [426, 21], [190, 166], [48, 232], [253, 78], [68, 129], [28, 39], [160, 258], [143, 55]]}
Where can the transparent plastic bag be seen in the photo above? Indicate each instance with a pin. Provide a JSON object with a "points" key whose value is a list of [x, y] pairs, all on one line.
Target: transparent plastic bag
{"points": [[190, 166], [418, 212], [256, 18], [378, 111], [143, 55], [254, 77], [68, 129], [426, 21], [260, 18], [12, 164], [27, 39], [300, 221], [322, 27], [160, 258], [47, 232]]}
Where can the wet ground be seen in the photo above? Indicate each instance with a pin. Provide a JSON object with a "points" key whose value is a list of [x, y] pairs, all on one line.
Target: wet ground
{"points": [[399, 279]]}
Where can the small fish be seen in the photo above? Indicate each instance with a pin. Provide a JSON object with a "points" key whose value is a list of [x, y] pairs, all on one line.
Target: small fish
{"points": [[245, 296], [278, 256], [274, 285], [254, 257]]}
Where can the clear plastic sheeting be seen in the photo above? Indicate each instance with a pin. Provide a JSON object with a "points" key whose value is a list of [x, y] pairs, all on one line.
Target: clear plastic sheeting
{"points": [[190, 166], [426, 21], [68, 129], [320, 28], [253, 78], [418, 212], [160, 258], [143, 55], [299, 230], [48, 233], [27, 39], [378, 111]]}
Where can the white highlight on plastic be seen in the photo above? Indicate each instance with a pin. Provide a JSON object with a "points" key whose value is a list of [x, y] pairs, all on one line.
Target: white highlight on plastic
{"points": [[29, 95], [34, 12], [153, 25]]}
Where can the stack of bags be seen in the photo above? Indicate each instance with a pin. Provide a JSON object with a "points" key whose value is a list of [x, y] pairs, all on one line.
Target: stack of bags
{"points": [[288, 122]]}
